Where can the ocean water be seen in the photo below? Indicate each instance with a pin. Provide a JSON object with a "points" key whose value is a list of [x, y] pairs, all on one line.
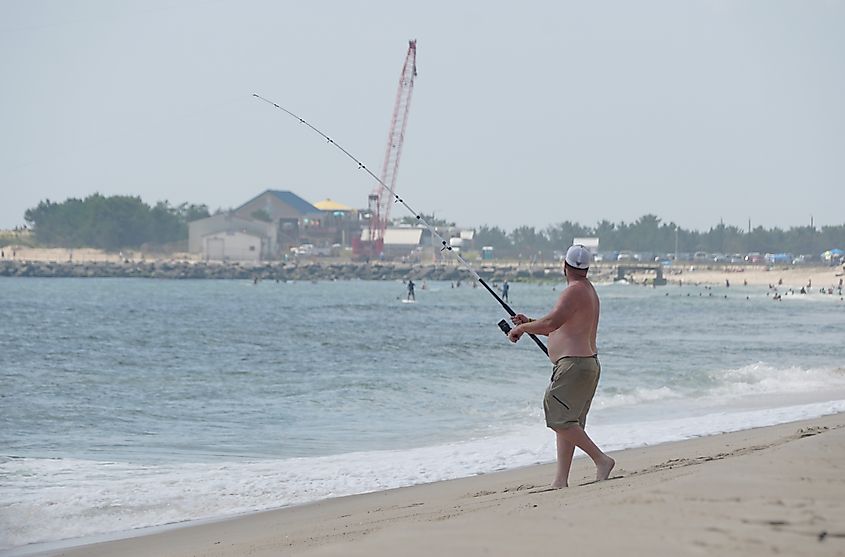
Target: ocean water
{"points": [[131, 403]]}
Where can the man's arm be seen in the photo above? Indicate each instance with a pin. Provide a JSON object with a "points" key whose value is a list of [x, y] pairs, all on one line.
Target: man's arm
{"points": [[520, 319], [549, 322]]}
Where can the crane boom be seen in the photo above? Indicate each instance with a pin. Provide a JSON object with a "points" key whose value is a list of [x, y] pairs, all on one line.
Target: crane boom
{"points": [[380, 200]]}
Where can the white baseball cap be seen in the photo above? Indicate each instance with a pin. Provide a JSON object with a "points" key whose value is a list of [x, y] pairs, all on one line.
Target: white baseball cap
{"points": [[578, 257]]}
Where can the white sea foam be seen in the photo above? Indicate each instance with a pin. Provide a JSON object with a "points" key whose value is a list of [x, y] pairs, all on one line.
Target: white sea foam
{"points": [[761, 378], [733, 386], [634, 397], [52, 499]]}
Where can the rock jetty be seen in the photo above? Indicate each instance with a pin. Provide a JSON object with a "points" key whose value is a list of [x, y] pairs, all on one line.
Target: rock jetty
{"points": [[296, 271]]}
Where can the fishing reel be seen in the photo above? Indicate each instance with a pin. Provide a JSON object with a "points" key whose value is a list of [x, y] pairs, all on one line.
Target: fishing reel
{"points": [[504, 326]]}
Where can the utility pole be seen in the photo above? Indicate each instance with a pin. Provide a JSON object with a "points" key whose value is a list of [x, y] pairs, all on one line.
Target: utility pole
{"points": [[676, 243]]}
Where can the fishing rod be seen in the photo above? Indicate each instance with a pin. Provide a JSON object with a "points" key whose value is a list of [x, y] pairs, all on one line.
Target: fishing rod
{"points": [[446, 247]]}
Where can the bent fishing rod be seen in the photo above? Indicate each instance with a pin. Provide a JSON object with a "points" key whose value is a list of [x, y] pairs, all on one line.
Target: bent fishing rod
{"points": [[446, 247]]}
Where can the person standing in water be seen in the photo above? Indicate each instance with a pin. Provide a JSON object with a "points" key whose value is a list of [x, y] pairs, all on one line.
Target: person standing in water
{"points": [[505, 288], [571, 326], [411, 295]]}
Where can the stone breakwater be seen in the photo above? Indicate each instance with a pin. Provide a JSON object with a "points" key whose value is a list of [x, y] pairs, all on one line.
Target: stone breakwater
{"points": [[272, 271]]}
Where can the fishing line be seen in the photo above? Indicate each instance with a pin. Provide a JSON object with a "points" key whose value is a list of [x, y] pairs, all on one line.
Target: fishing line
{"points": [[446, 247]]}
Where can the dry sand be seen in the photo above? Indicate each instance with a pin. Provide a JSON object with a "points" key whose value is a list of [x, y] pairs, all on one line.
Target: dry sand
{"points": [[61, 255], [87, 255], [792, 277], [738, 275], [775, 490]]}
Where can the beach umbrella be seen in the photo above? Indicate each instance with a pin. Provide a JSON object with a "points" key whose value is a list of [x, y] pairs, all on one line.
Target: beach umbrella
{"points": [[832, 254]]}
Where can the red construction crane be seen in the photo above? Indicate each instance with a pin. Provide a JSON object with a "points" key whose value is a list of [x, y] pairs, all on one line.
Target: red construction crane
{"points": [[380, 199]]}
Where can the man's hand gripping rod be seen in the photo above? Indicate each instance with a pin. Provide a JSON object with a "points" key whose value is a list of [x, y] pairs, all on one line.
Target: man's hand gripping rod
{"points": [[430, 228]]}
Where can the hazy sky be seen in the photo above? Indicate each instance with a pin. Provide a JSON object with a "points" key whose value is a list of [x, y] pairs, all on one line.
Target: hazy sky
{"points": [[524, 113]]}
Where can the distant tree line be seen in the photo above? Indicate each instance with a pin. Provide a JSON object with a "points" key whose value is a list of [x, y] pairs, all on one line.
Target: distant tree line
{"points": [[648, 235], [111, 223], [118, 222]]}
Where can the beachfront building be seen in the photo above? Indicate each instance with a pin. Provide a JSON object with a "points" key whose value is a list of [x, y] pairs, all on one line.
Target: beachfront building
{"points": [[281, 221], [467, 239], [296, 221], [339, 224], [399, 242]]}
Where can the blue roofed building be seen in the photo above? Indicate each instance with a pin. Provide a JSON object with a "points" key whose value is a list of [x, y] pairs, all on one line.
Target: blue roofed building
{"points": [[273, 205]]}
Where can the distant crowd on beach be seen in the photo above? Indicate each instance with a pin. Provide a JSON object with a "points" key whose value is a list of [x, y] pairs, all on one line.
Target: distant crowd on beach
{"points": [[775, 291]]}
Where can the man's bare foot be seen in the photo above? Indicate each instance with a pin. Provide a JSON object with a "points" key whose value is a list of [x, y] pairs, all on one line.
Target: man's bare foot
{"points": [[604, 467], [557, 484]]}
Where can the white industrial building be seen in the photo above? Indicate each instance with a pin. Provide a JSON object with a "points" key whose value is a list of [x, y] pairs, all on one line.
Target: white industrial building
{"points": [[233, 246], [224, 223], [398, 242]]}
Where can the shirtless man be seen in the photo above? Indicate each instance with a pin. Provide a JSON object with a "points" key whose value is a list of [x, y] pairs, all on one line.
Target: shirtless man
{"points": [[571, 327]]}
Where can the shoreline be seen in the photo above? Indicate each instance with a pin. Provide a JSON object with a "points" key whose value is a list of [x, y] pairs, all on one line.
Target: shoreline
{"points": [[750, 492]]}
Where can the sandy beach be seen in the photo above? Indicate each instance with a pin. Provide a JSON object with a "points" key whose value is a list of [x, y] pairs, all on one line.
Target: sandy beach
{"points": [[58, 255], [790, 277], [773, 490]]}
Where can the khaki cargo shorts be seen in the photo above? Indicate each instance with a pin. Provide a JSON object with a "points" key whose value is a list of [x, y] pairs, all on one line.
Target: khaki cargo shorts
{"points": [[571, 391]]}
